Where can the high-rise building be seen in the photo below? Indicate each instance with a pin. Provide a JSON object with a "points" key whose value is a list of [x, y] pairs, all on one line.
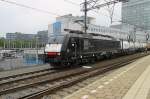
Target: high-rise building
{"points": [[137, 12]]}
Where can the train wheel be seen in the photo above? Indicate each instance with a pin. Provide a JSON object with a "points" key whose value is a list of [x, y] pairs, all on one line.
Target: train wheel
{"points": [[76, 62], [55, 65], [92, 60]]}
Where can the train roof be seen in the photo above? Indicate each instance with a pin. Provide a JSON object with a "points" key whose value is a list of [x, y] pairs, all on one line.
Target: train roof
{"points": [[77, 32]]}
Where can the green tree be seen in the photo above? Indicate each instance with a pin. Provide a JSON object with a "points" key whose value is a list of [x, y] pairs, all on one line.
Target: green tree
{"points": [[1, 42]]}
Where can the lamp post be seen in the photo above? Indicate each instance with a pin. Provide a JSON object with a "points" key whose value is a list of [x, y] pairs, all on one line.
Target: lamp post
{"points": [[147, 38], [37, 49], [4, 46]]}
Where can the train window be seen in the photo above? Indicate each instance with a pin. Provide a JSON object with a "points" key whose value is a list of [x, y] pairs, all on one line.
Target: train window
{"points": [[56, 39]]}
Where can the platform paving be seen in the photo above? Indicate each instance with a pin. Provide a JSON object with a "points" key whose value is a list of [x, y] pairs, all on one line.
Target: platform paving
{"points": [[141, 87], [129, 82]]}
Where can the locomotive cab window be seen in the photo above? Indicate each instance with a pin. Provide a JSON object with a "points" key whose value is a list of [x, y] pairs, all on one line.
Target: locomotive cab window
{"points": [[56, 39]]}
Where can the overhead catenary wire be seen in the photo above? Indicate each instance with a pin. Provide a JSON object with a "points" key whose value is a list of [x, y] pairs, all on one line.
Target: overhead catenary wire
{"points": [[110, 10], [44, 11], [110, 2], [102, 14], [73, 3], [29, 7]]}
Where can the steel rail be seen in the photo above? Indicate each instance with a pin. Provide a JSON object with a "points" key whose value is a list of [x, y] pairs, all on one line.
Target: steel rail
{"points": [[18, 75], [25, 77]]}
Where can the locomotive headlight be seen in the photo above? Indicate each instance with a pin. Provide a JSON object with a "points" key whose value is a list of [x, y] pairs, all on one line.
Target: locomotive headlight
{"points": [[73, 44], [59, 54]]}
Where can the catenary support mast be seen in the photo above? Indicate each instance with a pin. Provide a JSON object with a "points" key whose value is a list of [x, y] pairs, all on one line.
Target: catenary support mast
{"points": [[98, 6], [85, 12]]}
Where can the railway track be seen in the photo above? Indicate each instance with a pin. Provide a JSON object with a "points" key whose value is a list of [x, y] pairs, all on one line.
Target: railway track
{"points": [[18, 75], [43, 85], [30, 75]]}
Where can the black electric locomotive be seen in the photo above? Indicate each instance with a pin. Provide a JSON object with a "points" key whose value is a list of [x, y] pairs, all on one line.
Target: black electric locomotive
{"points": [[76, 47]]}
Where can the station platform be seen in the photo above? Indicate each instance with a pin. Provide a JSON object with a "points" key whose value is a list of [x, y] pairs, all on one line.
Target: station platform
{"points": [[129, 82], [23, 70]]}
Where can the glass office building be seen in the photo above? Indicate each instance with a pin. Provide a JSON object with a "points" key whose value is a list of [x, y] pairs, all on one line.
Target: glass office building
{"points": [[137, 12]]}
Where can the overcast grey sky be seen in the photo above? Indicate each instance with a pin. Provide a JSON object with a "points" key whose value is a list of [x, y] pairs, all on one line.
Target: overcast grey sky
{"points": [[19, 19]]}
